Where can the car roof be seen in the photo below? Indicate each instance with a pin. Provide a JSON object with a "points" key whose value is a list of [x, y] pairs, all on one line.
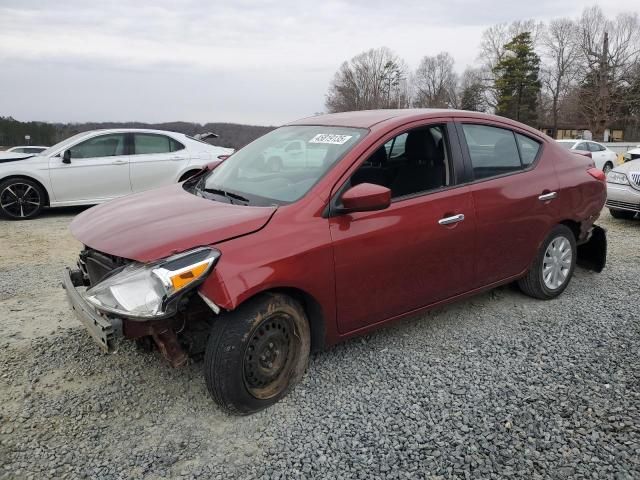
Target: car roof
{"points": [[392, 118], [132, 130]]}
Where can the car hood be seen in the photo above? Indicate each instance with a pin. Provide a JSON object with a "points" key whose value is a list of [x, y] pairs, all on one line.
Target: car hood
{"points": [[158, 223], [14, 156], [631, 166]]}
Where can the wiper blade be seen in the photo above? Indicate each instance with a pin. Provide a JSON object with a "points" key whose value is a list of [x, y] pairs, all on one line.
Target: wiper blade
{"points": [[229, 195]]}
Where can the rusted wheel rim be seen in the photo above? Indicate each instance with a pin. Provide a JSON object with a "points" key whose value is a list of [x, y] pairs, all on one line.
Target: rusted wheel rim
{"points": [[269, 356]]}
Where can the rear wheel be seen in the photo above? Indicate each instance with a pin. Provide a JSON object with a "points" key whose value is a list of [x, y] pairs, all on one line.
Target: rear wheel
{"points": [[607, 167], [553, 267], [21, 198], [257, 353], [622, 214]]}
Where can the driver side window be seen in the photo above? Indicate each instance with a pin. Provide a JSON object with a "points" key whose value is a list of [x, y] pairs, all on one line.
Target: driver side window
{"points": [[100, 146], [413, 162]]}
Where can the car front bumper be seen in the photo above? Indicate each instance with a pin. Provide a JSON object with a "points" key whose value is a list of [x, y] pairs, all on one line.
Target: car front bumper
{"points": [[104, 330], [622, 197]]}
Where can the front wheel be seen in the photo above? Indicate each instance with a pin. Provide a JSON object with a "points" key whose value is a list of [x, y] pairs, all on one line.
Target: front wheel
{"points": [[553, 267], [20, 198], [257, 353]]}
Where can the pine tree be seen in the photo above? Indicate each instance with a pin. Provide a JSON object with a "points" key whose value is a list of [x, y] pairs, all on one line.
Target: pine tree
{"points": [[516, 80]]}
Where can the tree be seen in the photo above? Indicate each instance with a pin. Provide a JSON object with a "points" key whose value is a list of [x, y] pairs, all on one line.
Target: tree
{"points": [[435, 82], [472, 91], [560, 71], [492, 50], [371, 80], [609, 54], [516, 80]]}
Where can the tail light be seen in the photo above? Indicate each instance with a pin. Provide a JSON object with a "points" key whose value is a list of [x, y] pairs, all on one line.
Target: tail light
{"points": [[597, 174]]}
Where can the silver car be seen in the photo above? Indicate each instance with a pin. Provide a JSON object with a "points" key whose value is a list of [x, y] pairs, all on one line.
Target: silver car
{"points": [[623, 190]]}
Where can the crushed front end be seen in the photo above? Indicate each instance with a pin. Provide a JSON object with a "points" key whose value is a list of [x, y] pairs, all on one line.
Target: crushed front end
{"points": [[152, 303]]}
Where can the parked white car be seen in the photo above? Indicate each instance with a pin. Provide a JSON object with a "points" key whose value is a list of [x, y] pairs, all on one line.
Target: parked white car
{"points": [[96, 166], [623, 190], [632, 154], [604, 158]]}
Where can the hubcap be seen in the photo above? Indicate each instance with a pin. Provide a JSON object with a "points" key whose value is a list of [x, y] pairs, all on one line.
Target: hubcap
{"points": [[19, 200], [268, 356], [606, 169], [556, 263]]}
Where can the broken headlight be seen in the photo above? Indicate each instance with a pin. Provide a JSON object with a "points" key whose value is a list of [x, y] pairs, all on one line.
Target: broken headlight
{"points": [[151, 290]]}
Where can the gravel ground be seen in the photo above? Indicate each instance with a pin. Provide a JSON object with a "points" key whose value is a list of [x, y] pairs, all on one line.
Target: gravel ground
{"points": [[497, 386]]}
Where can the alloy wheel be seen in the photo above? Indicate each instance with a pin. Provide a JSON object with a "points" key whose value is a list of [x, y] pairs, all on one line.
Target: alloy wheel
{"points": [[556, 264], [20, 200]]}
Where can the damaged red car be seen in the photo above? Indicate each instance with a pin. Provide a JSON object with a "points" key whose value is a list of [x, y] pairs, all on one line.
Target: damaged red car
{"points": [[328, 228]]}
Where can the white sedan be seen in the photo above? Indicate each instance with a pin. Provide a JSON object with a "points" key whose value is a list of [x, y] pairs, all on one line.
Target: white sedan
{"points": [[604, 158], [96, 166]]}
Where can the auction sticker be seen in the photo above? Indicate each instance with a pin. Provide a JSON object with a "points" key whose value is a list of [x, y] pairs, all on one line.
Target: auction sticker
{"points": [[330, 138]]}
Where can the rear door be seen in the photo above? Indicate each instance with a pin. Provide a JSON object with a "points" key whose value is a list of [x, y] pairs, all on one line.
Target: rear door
{"points": [[156, 160], [416, 252], [98, 170], [514, 192]]}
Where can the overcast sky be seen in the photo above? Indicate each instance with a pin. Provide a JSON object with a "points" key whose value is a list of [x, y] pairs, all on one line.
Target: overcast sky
{"points": [[260, 62]]}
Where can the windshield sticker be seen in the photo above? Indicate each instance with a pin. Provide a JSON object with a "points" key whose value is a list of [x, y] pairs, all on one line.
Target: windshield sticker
{"points": [[331, 139]]}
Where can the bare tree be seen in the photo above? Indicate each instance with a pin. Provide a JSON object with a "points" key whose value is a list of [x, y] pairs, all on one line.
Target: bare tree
{"points": [[610, 53], [561, 61], [471, 95], [435, 82], [371, 80]]}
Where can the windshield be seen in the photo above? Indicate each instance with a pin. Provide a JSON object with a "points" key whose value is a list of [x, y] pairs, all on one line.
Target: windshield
{"points": [[281, 166], [62, 144], [567, 145]]}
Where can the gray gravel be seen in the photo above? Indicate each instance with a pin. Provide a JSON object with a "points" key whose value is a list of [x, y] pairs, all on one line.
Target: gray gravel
{"points": [[497, 386]]}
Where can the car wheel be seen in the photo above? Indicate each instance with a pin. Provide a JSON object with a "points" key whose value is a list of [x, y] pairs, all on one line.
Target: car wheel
{"points": [[553, 267], [257, 353], [20, 198], [607, 167], [274, 164], [622, 214]]}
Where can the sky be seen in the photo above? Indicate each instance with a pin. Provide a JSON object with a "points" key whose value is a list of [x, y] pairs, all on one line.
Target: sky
{"points": [[257, 62]]}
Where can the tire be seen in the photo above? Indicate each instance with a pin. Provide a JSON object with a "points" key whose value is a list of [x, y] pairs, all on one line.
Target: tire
{"points": [[534, 282], [21, 198], [274, 164], [607, 167], [622, 214], [257, 353]]}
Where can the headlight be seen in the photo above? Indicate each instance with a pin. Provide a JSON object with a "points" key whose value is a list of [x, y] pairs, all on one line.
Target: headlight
{"points": [[151, 290], [617, 177]]}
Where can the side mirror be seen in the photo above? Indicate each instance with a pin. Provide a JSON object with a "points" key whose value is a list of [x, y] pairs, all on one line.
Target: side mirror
{"points": [[365, 197], [66, 156]]}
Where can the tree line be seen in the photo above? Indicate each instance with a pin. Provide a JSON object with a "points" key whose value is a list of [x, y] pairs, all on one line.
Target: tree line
{"points": [[583, 71], [232, 135]]}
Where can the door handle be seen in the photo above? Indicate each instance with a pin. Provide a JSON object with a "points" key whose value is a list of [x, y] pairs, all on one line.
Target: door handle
{"points": [[547, 196], [450, 220], [177, 159], [119, 162]]}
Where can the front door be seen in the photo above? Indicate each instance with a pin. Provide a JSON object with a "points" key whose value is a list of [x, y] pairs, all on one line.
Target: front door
{"points": [[98, 170], [417, 251]]}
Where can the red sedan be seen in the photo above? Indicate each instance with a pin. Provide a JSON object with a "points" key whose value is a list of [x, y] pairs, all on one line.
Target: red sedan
{"points": [[328, 228]]}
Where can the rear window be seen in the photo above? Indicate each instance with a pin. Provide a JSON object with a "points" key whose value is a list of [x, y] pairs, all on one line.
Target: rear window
{"points": [[150, 143], [528, 149]]}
